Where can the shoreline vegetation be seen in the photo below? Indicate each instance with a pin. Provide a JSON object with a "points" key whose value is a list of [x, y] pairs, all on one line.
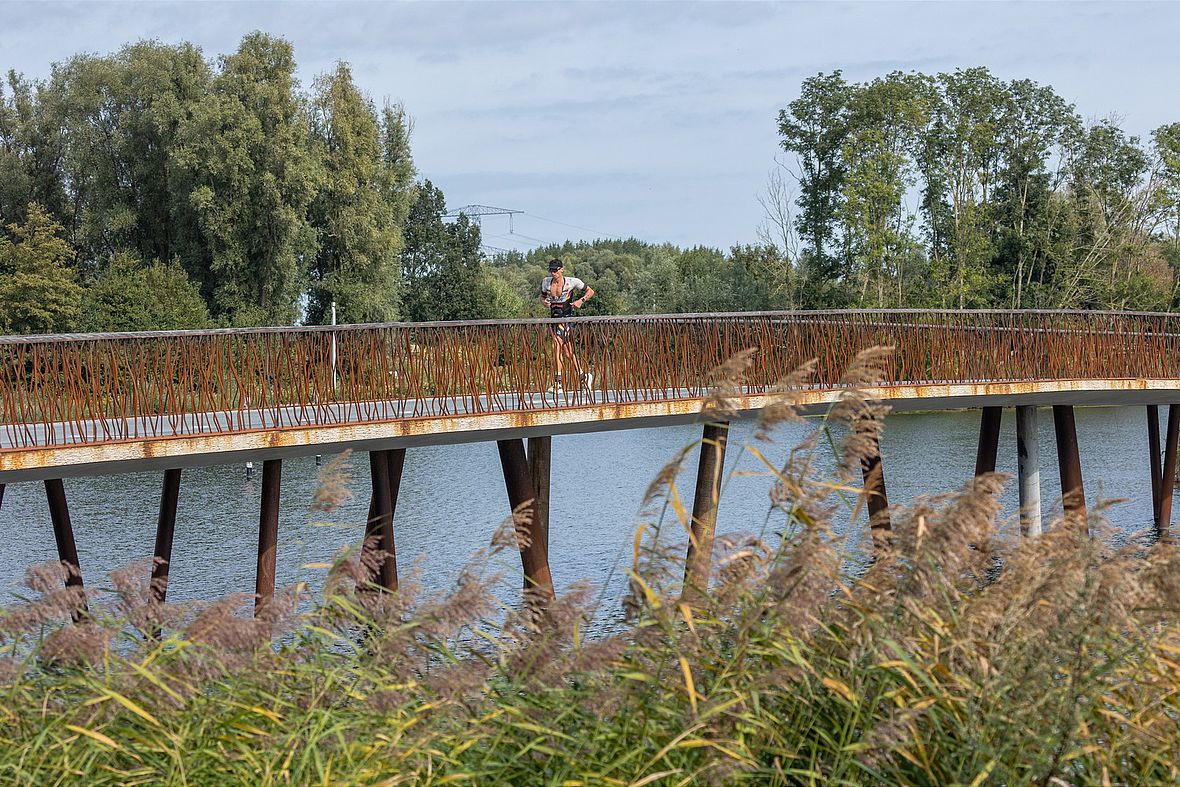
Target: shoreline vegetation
{"points": [[960, 654]]}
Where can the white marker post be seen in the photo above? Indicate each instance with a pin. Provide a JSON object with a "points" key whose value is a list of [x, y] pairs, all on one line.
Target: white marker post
{"points": [[1028, 447], [333, 350]]}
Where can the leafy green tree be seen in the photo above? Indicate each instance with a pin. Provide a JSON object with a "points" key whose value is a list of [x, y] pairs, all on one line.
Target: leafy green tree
{"points": [[32, 146], [121, 115], [1166, 144], [250, 177], [814, 127], [38, 290], [360, 204], [884, 118], [441, 263], [131, 296], [1038, 125]]}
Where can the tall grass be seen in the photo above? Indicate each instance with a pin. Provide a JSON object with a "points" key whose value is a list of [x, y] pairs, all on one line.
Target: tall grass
{"points": [[959, 655]]}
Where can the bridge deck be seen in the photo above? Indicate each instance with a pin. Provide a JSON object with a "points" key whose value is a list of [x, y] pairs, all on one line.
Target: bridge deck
{"points": [[119, 446]]}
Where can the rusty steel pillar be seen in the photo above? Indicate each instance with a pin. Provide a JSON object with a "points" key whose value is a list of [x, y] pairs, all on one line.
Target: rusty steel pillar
{"points": [[63, 530], [1167, 478], [540, 455], [395, 462], [874, 490], [1028, 470], [710, 470], [63, 534], [268, 533], [989, 440], [1073, 495], [1153, 457], [523, 500], [165, 528], [380, 504]]}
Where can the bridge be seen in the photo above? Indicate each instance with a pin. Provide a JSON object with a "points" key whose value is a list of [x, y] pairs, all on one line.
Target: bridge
{"points": [[91, 404]]}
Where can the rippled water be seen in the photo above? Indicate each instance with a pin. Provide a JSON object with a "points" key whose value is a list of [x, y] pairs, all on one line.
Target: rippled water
{"points": [[453, 498]]}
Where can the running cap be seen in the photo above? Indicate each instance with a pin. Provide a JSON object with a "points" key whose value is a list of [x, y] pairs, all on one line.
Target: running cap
{"points": [[555, 265]]}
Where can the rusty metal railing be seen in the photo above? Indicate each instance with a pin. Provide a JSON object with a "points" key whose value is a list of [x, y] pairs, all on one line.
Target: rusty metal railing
{"points": [[90, 388]]}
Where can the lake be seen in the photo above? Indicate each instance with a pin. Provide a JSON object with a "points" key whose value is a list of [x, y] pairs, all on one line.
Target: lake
{"points": [[452, 500]]}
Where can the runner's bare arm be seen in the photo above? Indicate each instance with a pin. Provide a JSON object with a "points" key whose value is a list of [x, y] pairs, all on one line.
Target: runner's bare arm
{"points": [[585, 297]]}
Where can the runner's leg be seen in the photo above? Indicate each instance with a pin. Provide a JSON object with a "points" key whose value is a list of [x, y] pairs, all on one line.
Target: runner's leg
{"points": [[557, 351]]}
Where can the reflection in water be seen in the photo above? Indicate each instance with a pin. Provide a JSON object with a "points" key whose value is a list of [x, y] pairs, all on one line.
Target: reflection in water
{"points": [[453, 498]]}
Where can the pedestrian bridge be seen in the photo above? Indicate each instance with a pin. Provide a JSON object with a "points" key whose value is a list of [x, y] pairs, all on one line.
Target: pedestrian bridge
{"points": [[100, 403], [111, 403]]}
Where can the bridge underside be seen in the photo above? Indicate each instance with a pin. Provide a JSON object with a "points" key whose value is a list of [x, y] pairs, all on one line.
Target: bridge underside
{"points": [[160, 453]]}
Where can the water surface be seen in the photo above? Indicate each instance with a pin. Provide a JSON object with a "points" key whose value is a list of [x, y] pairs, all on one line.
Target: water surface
{"points": [[452, 499]]}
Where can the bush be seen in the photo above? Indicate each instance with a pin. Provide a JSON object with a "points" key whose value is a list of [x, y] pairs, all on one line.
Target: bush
{"points": [[131, 296]]}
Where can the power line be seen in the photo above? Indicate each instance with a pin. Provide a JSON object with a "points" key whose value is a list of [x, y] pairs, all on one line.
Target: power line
{"points": [[575, 226]]}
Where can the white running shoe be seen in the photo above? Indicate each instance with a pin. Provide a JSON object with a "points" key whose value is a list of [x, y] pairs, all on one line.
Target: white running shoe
{"points": [[587, 380], [555, 388]]}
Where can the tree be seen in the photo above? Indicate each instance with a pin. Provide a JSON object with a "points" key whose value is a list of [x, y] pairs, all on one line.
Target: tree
{"points": [[38, 290], [1166, 143], [250, 177], [131, 296], [441, 262], [814, 127], [360, 204], [883, 120], [122, 115]]}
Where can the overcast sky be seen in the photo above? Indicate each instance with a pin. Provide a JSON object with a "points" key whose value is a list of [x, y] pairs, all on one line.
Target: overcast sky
{"points": [[649, 119]]}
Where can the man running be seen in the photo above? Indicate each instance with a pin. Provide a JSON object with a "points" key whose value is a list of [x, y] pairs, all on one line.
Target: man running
{"points": [[557, 292]]}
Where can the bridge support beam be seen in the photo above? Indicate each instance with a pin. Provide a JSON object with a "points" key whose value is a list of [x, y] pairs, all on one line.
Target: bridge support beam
{"points": [[165, 529], [268, 533], [385, 470], [710, 471], [1153, 458], [540, 455], [63, 534], [874, 490], [1073, 494], [1167, 478], [1028, 470], [523, 499], [989, 440]]}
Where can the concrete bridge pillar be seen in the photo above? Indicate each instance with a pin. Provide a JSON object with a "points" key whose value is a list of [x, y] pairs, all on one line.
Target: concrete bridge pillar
{"points": [[1028, 470]]}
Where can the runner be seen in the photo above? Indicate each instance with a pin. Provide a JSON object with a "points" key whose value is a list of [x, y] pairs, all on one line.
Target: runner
{"points": [[557, 291]]}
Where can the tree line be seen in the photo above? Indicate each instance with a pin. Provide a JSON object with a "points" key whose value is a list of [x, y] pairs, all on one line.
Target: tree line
{"points": [[962, 190], [157, 188]]}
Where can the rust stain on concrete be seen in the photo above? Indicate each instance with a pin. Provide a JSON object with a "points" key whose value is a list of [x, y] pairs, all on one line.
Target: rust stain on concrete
{"points": [[48, 461]]}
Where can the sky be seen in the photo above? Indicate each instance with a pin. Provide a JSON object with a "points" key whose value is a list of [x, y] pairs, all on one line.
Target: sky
{"points": [[654, 120]]}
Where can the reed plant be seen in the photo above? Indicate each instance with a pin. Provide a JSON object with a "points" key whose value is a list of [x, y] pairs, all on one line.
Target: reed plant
{"points": [[957, 653]]}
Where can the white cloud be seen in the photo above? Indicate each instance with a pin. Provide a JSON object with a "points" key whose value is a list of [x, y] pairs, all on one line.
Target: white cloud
{"points": [[652, 119]]}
